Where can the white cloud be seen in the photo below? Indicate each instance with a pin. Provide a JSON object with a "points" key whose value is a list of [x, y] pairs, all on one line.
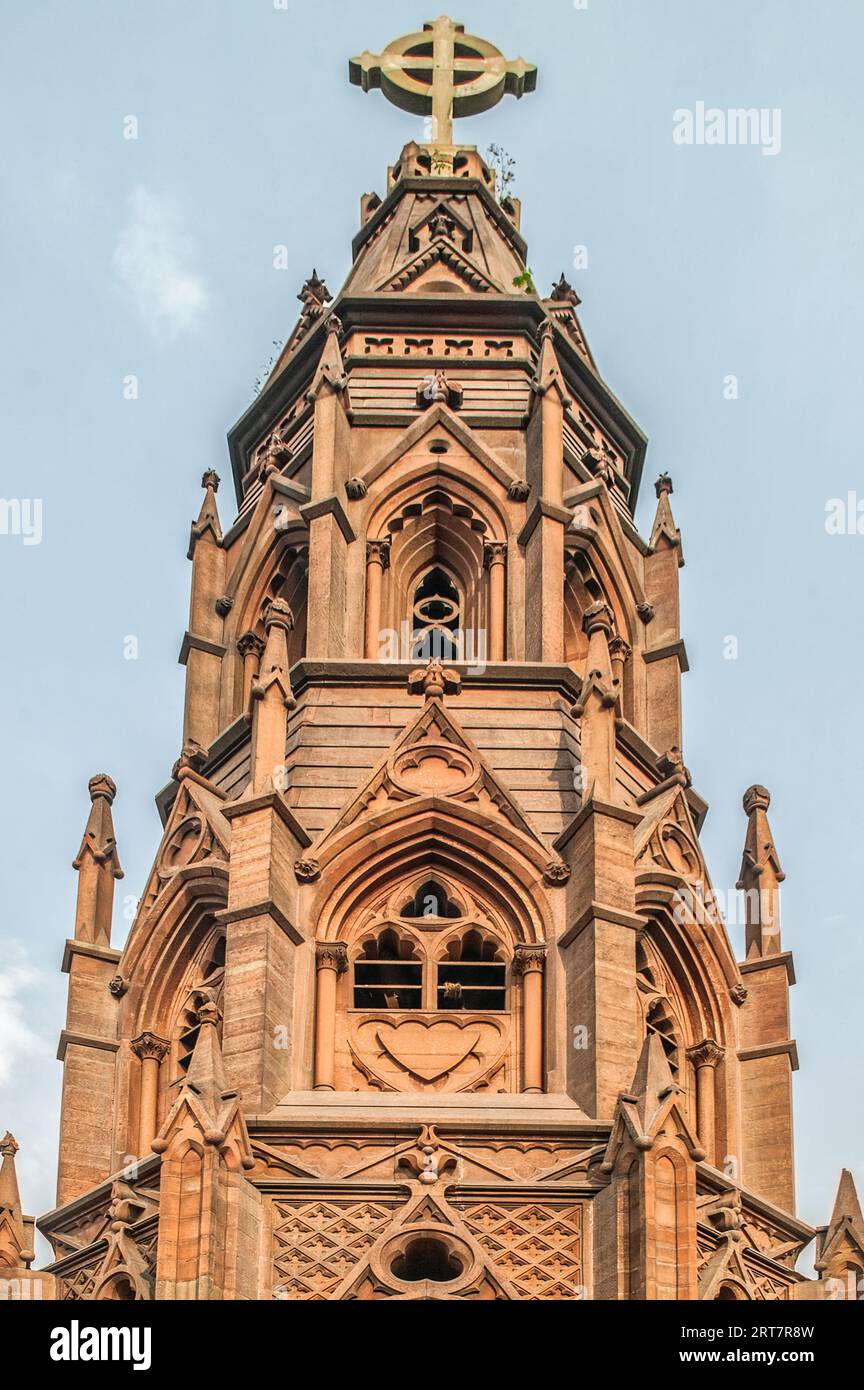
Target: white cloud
{"points": [[154, 259], [17, 1039]]}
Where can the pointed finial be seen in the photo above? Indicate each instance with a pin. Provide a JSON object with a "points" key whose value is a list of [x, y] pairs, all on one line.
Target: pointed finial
{"points": [[270, 698], [15, 1232], [664, 528], [8, 1145], [846, 1204], [208, 517], [653, 1081], [98, 865], [760, 877], [563, 292]]}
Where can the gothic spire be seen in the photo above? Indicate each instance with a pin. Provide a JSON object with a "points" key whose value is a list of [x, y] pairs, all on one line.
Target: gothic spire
{"points": [[98, 865], [270, 699], [761, 876], [664, 530], [208, 517], [15, 1238]]}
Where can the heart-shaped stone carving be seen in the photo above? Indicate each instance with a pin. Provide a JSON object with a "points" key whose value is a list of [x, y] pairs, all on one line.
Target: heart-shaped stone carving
{"points": [[428, 1050]]}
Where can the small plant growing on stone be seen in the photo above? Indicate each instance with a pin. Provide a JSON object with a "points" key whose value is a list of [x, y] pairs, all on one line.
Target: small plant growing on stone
{"points": [[503, 166]]}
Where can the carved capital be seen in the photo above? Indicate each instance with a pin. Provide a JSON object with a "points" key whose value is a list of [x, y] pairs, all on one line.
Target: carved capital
{"points": [[529, 960], [494, 553], [208, 1011], [102, 785], [331, 955], [663, 484], [278, 614], [620, 649], [707, 1053], [597, 618], [149, 1047], [378, 553], [250, 644], [756, 799]]}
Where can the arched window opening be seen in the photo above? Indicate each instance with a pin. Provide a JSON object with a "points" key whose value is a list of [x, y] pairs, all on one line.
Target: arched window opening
{"points": [[659, 1019], [435, 615], [430, 900], [471, 975], [388, 974], [120, 1289], [208, 984], [427, 1258]]}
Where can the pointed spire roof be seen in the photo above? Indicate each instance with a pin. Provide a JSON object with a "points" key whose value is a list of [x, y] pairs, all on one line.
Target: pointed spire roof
{"points": [[330, 372], [845, 1229], [759, 850], [643, 1109], [10, 1200], [549, 375], [653, 1081], [278, 620], [99, 842], [208, 517], [664, 528], [207, 1103], [15, 1231], [847, 1205], [206, 1074]]}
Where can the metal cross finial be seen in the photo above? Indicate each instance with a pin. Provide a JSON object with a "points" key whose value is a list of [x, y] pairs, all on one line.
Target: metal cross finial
{"points": [[443, 72]]}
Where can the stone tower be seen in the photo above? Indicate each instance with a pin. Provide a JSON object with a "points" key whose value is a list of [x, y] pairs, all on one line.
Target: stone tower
{"points": [[428, 994]]}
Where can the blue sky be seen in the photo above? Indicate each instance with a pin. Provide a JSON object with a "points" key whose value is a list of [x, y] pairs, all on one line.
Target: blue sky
{"points": [[153, 258]]}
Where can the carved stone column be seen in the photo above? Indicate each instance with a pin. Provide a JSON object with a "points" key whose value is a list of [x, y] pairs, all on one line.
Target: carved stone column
{"points": [[331, 960], [620, 653], [377, 561], [530, 964], [251, 648], [150, 1050], [495, 556], [705, 1057]]}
